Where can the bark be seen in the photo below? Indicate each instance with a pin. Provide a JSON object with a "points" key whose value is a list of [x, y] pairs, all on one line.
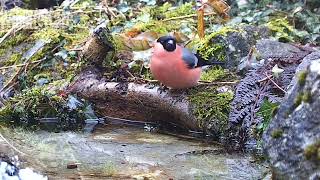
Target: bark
{"points": [[142, 102]]}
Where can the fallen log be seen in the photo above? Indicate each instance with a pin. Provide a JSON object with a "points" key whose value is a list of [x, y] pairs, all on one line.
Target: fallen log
{"points": [[203, 108], [142, 102]]}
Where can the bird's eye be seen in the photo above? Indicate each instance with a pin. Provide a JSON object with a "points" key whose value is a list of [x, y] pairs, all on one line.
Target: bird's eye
{"points": [[169, 45]]}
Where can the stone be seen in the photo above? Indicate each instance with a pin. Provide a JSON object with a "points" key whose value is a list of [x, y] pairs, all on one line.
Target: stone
{"points": [[292, 140]]}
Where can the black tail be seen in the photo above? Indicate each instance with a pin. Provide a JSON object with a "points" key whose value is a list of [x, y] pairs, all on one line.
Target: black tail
{"points": [[212, 61]]}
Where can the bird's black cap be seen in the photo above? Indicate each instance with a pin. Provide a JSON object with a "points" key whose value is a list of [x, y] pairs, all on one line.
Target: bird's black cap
{"points": [[169, 43]]}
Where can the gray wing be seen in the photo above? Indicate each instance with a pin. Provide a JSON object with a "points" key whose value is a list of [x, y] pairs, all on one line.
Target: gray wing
{"points": [[189, 58]]}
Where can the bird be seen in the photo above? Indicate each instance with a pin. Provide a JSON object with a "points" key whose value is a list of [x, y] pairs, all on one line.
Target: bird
{"points": [[174, 66]]}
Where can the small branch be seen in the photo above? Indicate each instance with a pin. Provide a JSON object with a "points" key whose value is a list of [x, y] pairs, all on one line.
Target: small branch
{"points": [[20, 65], [14, 148], [126, 121], [276, 84], [12, 80], [20, 26], [107, 9], [9, 33], [76, 49], [151, 80], [217, 83], [187, 16], [264, 79], [141, 80]]}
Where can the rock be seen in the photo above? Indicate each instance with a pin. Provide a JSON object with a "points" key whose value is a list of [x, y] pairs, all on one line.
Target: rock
{"points": [[9, 170], [303, 66], [251, 93], [270, 48], [10, 4], [72, 166], [238, 42], [292, 140]]}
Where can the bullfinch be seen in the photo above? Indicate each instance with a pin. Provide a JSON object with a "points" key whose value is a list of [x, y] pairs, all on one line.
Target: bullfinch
{"points": [[175, 66]]}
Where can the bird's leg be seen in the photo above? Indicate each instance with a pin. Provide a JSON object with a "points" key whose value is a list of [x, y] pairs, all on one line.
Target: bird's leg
{"points": [[162, 88]]}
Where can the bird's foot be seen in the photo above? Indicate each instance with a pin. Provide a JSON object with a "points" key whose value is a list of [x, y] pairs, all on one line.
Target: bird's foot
{"points": [[162, 88]]}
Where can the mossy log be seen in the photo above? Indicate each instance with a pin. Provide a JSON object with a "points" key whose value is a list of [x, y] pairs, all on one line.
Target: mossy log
{"points": [[203, 108], [98, 46], [142, 102]]}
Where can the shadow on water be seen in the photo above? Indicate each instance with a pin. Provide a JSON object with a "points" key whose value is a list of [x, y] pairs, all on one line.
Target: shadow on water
{"points": [[127, 149]]}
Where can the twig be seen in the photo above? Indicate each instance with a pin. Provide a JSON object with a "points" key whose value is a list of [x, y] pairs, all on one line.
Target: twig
{"points": [[275, 84], [130, 74], [12, 79], [151, 80], [136, 79], [9, 33], [11, 145], [127, 121], [75, 49], [20, 65], [107, 9], [19, 26], [187, 16], [266, 78], [217, 83]]}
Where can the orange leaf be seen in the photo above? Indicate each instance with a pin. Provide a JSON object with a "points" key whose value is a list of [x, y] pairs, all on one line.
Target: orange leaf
{"points": [[201, 22], [221, 7], [180, 37]]}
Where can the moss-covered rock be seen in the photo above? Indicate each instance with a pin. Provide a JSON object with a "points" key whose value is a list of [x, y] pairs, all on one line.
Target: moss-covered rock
{"points": [[293, 152], [32, 106], [50, 64], [229, 44], [312, 151], [211, 108], [213, 74]]}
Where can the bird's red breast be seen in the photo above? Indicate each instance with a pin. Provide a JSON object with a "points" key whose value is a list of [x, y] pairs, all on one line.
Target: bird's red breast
{"points": [[171, 70]]}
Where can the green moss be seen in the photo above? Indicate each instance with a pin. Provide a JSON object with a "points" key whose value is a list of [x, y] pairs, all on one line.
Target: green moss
{"points": [[3, 52], [222, 32], [213, 74], [298, 100], [77, 38], [6, 18], [311, 152], [43, 52], [277, 133], [157, 26], [109, 169], [211, 105], [185, 9], [14, 59], [12, 41], [307, 97], [207, 49], [160, 11], [167, 11], [46, 75], [49, 34], [27, 108], [281, 29], [302, 77]]}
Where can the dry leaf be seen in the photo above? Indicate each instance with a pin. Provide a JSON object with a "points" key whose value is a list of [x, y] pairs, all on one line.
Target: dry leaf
{"points": [[180, 37], [201, 22], [221, 7]]}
